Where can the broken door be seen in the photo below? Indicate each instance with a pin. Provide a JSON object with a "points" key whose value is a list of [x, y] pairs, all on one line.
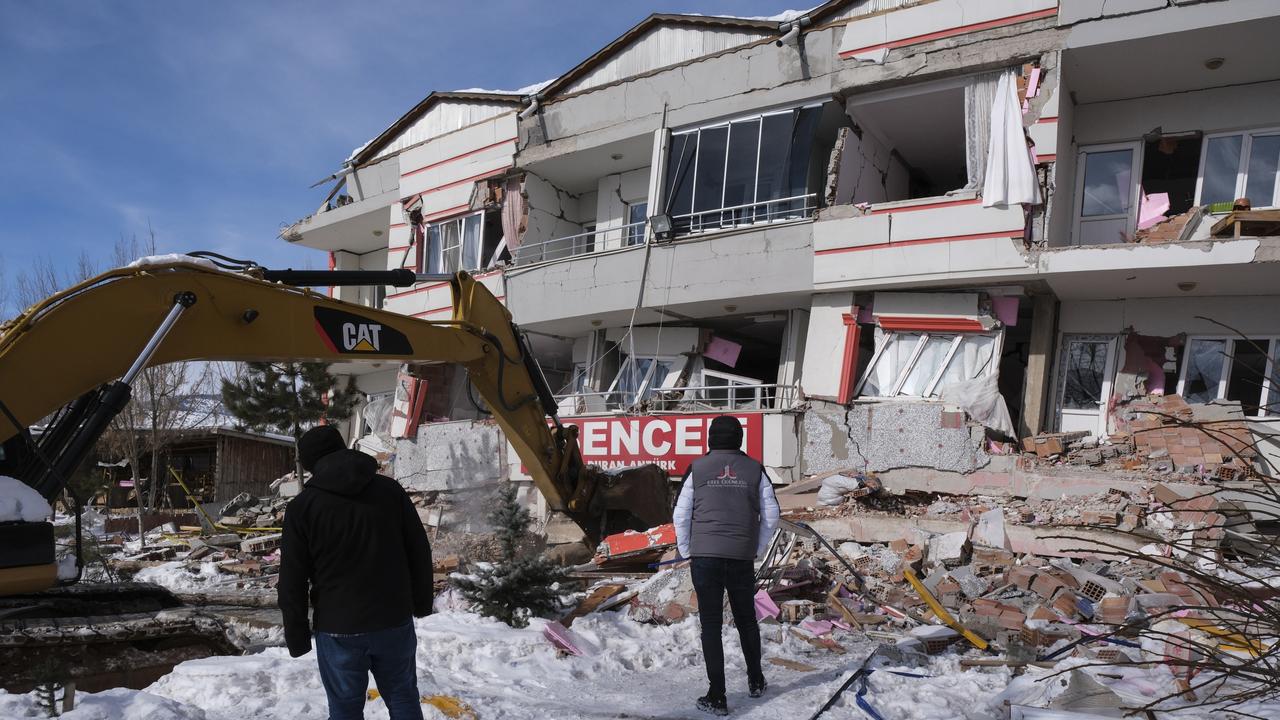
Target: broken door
{"points": [[1086, 367]]}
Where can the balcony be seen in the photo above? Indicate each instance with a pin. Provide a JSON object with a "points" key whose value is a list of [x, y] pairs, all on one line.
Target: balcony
{"points": [[920, 241], [622, 236], [720, 397], [355, 215]]}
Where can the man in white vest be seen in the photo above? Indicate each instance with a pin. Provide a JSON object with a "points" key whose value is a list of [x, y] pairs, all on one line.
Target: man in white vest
{"points": [[725, 516]]}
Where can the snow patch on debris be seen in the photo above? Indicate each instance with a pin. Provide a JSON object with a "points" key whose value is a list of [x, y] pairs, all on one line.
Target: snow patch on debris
{"points": [[20, 502], [179, 576], [169, 259]]}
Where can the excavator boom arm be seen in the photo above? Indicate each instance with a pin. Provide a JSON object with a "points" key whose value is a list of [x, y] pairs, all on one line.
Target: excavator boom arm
{"points": [[109, 327]]}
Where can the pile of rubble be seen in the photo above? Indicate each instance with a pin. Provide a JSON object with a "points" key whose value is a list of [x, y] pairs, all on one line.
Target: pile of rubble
{"points": [[924, 594], [238, 550], [1158, 436]]}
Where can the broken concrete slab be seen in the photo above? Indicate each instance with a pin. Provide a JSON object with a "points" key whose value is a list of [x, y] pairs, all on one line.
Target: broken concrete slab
{"points": [[1044, 541]]}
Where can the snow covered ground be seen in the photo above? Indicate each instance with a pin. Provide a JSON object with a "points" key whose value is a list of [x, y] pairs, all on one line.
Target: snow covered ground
{"points": [[629, 670]]}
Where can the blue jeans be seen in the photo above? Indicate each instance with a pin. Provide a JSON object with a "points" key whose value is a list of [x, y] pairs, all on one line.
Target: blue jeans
{"points": [[345, 663]]}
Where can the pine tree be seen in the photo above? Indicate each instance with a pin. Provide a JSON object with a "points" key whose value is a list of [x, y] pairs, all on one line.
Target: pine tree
{"points": [[288, 397], [521, 584]]}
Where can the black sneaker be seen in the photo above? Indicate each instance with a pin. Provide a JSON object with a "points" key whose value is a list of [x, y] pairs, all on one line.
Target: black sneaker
{"points": [[756, 688], [714, 705]]}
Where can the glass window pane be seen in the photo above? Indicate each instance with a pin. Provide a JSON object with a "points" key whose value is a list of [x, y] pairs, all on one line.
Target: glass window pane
{"points": [[740, 172], [1205, 360], [433, 249], [1248, 367], [679, 180], [636, 213], [973, 359], [1264, 157], [775, 147], [1108, 183], [1085, 375], [451, 233], [898, 348], [708, 191], [931, 357], [1272, 406], [1221, 164], [801, 154], [471, 241]]}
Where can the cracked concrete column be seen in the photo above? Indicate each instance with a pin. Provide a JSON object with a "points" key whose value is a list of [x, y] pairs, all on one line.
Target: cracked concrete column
{"points": [[1036, 384]]}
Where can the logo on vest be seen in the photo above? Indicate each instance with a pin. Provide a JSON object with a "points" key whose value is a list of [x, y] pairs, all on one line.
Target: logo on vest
{"points": [[728, 478]]}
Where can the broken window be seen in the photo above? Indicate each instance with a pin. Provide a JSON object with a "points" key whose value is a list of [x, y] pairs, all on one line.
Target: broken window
{"points": [[1170, 165], [459, 244], [753, 169], [921, 364], [640, 377], [1241, 165], [916, 142], [1239, 370]]}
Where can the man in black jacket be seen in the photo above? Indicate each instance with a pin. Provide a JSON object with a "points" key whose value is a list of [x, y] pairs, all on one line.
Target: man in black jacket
{"points": [[353, 538]]}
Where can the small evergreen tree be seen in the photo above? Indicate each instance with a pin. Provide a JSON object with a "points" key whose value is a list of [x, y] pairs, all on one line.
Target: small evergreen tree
{"points": [[288, 397], [521, 584]]}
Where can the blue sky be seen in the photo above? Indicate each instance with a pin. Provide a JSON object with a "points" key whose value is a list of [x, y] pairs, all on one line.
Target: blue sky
{"points": [[209, 120]]}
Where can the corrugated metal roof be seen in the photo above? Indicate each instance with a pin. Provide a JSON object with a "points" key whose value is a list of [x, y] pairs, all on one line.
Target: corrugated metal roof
{"points": [[663, 46], [420, 123]]}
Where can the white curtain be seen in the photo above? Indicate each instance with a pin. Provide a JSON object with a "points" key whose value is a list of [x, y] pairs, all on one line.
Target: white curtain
{"points": [[1010, 175], [979, 96]]}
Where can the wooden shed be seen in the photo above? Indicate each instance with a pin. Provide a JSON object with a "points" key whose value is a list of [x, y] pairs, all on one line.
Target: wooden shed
{"points": [[216, 463]]}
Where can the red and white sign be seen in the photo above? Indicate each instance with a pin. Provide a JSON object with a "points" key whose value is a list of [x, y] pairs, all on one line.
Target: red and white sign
{"points": [[669, 441]]}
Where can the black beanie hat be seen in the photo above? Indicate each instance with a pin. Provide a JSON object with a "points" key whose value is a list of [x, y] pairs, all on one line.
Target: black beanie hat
{"points": [[318, 442], [725, 433]]}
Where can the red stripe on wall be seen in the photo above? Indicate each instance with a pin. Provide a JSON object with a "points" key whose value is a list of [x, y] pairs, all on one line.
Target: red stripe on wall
{"points": [[928, 324], [1046, 158], [925, 206], [1053, 119], [924, 241], [469, 153], [999, 22], [424, 313], [415, 291]]}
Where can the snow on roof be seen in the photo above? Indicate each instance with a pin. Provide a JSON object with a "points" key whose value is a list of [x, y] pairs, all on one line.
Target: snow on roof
{"points": [[526, 90], [784, 16]]}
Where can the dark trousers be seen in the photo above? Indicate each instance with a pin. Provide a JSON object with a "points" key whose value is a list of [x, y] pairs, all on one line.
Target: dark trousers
{"points": [[712, 577], [347, 660]]}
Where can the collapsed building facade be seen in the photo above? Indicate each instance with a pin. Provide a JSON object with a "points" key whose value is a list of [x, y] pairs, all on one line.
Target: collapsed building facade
{"points": [[896, 237]]}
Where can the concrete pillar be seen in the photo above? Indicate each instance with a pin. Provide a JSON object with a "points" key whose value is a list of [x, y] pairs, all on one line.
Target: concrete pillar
{"points": [[1036, 385]]}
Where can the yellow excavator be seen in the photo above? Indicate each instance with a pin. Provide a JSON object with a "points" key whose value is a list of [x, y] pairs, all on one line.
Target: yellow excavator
{"points": [[71, 359]]}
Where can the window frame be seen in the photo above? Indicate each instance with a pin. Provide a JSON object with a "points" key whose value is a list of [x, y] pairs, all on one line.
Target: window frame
{"points": [[1242, 164], [957, 339], [1135, 147], [677, 362], [634, 235], [755, 216], [1269, 372], [439, 252]]}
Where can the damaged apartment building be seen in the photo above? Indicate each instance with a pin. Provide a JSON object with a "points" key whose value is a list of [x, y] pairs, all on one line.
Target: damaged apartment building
{"points": [[892, 236]]}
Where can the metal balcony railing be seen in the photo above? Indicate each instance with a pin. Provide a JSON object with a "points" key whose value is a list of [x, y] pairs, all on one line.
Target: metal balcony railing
{"points": [[581, 244], [686, 398], [799, 207]]}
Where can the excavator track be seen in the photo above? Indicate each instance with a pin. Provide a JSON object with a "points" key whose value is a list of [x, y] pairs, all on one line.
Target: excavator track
{"points": [[102, 636]]}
